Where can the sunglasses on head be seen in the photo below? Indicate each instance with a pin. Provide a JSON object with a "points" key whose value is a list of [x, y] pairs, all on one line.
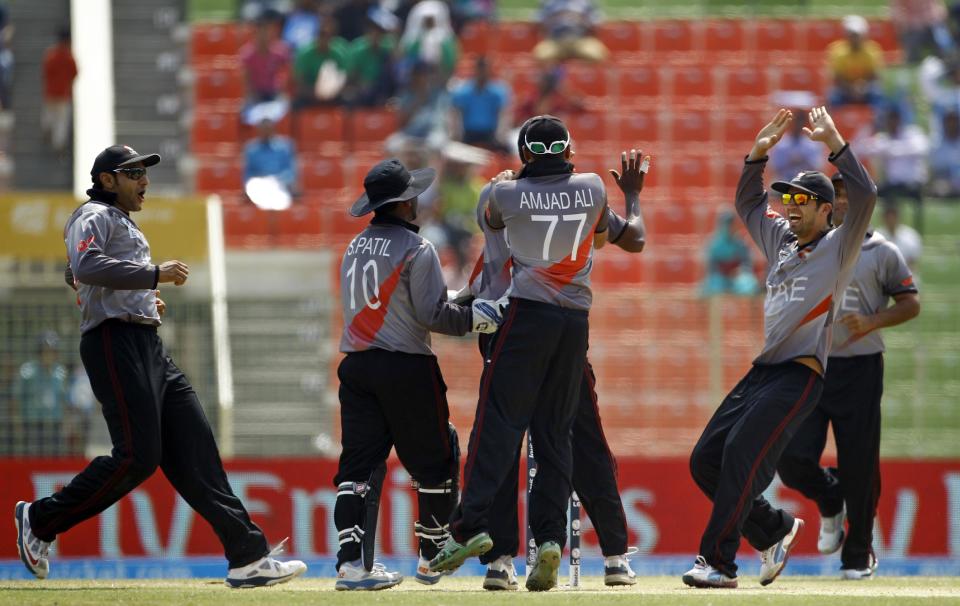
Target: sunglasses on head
{"points": [[800, 199], [132, 173], [540, 149]]}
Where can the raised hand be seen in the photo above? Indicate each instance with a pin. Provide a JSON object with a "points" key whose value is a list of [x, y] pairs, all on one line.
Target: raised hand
{"points": [[632, 172], [824, 130], [770, 134]]}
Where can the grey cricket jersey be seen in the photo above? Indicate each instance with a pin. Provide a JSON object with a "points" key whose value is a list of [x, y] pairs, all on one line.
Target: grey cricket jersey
{"points": [[804, 284], [550, 222], [392, 291], [880, 274], [110, 260]]}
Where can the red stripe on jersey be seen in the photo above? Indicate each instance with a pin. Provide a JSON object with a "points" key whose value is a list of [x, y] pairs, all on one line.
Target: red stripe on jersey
{"points": [[368, 321], [821, 308], [772, 214], [477, 270], [561, 274], [908, 281]]}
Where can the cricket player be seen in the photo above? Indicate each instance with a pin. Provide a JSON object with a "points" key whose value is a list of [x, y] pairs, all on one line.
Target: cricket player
{"points": [[534, 366], [594, 466], [810, 267], [392, 393], [851, 403]]}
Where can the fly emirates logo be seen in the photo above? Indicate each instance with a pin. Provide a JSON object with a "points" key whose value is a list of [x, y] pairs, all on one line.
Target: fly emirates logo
{"points": [[789, 291], [562, 200]]}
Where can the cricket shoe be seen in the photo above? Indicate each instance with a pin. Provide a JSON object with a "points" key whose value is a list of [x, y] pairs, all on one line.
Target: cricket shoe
{"points": [[774, 558], [831, 532], [352, 576], [265, 572], [543, 577], [454, 554], [861, 574], [33, 551], [705, 576], [501, 575], [617, 571], [426, 576]]}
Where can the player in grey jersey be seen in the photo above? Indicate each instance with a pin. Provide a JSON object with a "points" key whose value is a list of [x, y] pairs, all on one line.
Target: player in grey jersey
{"points": [[392, 393], [851, 403], [810, 267]]}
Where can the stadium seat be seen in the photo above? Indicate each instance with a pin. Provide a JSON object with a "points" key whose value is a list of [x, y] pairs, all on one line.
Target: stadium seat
{"points": [[219, 175], [210, 40], [476, 38], [320, 172], [672, 35], [371, 126], [672, 219], [587, 128], [300, 225], [612, 267], [638, 128], [776, 36], [853, 120], [745, 84], [639, 84], [692, 81], [725, 38], [801, 77], [246, 226], [677, 266], [621, 38], [215, 133], [318, 129], [516, 37], [217, 84], [338, 222], [586, 81], [818, 35], [689, 170], [741, 128], [692, 126]]}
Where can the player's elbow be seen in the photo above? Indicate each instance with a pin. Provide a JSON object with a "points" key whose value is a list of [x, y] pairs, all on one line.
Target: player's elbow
{"points": [[633, 245], [912, 306]]}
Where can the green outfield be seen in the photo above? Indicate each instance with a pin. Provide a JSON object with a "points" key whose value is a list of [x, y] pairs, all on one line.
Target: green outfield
{"points": [[651, 591]]}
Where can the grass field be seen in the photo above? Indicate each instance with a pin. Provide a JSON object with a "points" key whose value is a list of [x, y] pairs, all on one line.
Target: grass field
{"points": [[651, 591]]}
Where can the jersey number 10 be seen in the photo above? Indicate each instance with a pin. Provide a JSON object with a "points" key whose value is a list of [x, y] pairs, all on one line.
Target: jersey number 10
{"points": [[374, 301]]}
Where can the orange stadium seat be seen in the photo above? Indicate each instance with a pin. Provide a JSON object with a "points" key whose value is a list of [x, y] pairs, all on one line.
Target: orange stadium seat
{"points": [[801, 77], [728, 37], [692, 126], [692, 81], [217, 84], [588, 81], [338, 222], [320, 172], [689, 170], [818, 35], [853, 120], [673, 35], [640, 82], [587, 127], [677, 266], [776, 35], [245, 225], [208, 40], [213, 131], [621, 38], [476, 38], [300, 225], [219, 175], [638, 128], [672, 219], [616, 267], [317, 129], [745, 82], [516, 37], [371, 125], [741, 128]]}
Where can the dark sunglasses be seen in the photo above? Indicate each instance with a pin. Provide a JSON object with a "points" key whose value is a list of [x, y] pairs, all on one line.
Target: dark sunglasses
{"points": [[132, 173]]}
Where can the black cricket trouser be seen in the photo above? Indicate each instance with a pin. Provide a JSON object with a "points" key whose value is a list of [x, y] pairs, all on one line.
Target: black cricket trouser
{"points": [[393, 399], [531, 379], [594, 479], [736, 457], [851, 402], [155, 420]]}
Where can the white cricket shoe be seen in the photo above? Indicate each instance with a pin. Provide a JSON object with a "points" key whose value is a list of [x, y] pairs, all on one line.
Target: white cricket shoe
{"points": [[265, 572], [617, 571], [773, 559], [831, 532], [352, 576], [33, 551], [861, 574], [426, 576], [501, 575], [705, 576]]}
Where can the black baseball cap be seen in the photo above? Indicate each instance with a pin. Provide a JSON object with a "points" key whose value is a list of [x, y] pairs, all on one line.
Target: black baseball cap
{"points": [[836, 177], [812, 182], [544, 129], [390, 181], [119, 156]]}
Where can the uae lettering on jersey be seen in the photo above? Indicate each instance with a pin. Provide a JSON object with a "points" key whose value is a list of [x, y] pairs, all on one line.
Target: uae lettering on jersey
{"points": [[790, 291], [378, 247], [582, 198]]}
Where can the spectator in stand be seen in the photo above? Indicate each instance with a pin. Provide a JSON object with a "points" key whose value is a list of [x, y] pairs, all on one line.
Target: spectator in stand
{"points": [[6, 59], [351, 16], [922, 28], [59, 72], [77, 421], [729, 267], [796, 152], [266, 61], [567, 27], [906, 238], [301, 25], [429, 39], [42, 393], [423, 112], [371, 81], [945, 158], [270, 155], [550, 97], [482, 106], [855, 64], [320, 68], [463, 12], [940, 83], [899, 154]]}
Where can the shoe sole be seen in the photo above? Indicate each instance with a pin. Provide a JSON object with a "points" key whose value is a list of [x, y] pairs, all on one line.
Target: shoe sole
{"points": [[498, 585], [431, 579], [477, 545], [367, 585], [261, 581], [619, 580], [21, 548], [693, 581], [787, 548], [543, 577]]}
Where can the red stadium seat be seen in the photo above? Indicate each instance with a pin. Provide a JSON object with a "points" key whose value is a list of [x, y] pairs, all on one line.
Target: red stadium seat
{"points": [[853, 120], [692, 81], [818, 35], [617, 268], [688, 170], [741, 128], [672, 219], [588, 81], [219, 175], [246, 226], [745, 82], [320, 172], [587, 127], [677, 266], [725, 36], [476, 38], [801, 77], [692, 126], [776, 35], [514, 37], [638, 128], [372, 126], [338, 222], [621, 37], [213, 132], [218, 84], [209, 40], [300, 225], [673, 36], [318, 129]]}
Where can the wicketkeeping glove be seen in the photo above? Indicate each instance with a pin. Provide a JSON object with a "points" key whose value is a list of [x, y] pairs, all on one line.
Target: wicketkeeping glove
{"points": [[488, 314]]}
